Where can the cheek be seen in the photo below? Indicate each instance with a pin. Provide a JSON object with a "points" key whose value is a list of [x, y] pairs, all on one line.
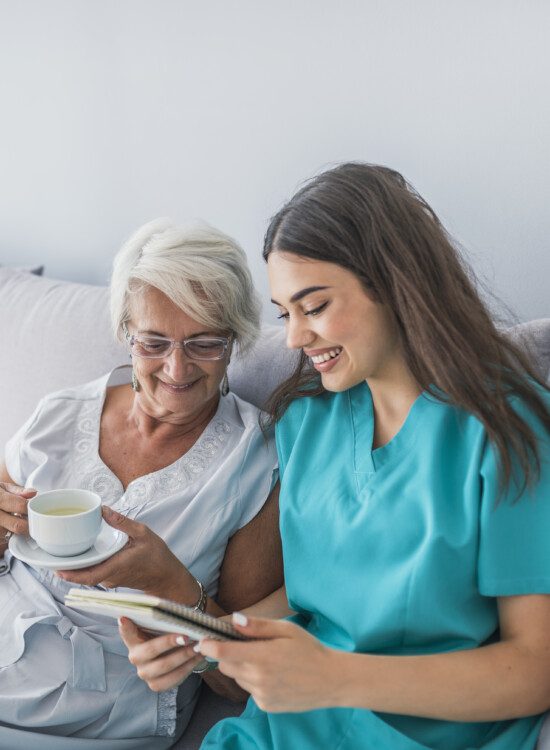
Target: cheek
{"points": [[145, 368]]}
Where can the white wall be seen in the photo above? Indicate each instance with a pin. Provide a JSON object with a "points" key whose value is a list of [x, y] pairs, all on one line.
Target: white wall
{"points": [[117, 111]]}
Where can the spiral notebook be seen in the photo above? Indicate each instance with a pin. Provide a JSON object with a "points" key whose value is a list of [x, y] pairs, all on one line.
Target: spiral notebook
{"points": [[153, 614]]}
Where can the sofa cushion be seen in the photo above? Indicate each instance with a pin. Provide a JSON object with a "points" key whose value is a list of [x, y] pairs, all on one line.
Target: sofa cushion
{"points": [[55, 334]]}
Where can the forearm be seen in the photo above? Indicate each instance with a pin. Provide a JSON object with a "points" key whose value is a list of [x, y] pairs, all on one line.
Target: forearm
{"points": [[275, 606], [491, 683]]}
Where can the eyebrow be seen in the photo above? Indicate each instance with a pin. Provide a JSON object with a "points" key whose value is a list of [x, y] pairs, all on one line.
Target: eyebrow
{"points": [[303, 293], [162, 336]]}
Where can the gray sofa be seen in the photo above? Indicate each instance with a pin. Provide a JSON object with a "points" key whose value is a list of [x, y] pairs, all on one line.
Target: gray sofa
{"points": [[56, 333]]}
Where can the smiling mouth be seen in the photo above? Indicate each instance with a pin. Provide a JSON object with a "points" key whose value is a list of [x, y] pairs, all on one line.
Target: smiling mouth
{"points": [[173, 388], [326, 356]]}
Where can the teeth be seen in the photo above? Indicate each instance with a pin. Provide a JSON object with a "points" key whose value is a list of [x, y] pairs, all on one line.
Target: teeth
{"points": [[326, 356]]}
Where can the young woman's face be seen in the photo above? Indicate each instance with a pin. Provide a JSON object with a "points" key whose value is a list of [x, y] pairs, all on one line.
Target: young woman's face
{"points": [[327, 312]]}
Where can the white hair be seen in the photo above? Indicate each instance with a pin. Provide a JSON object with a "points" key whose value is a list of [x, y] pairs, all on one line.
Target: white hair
{"points": [[201, 270]]}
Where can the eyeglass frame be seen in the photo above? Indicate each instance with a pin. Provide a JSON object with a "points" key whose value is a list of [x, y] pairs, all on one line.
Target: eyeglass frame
{"points": [[174, 344]]}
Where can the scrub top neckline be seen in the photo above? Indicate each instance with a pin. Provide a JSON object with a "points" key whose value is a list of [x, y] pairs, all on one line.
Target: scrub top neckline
{"points": [[366, 459]]}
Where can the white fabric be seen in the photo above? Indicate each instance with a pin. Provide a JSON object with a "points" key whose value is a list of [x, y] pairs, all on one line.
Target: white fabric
{"points": [[82, 682]]}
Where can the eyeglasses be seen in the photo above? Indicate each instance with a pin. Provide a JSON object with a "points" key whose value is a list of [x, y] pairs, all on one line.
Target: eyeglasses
{"points": [[156, 347]]}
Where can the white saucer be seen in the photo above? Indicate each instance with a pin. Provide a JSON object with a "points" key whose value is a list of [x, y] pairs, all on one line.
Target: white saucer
{"points": [[108, 542]]}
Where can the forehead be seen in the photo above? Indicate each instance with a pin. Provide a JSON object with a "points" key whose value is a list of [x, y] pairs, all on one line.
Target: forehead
{"points": [[290, 273], [152, 310]]}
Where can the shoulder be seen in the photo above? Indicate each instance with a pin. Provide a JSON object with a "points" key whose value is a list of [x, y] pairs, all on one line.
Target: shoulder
{"points": [[60, 406]]}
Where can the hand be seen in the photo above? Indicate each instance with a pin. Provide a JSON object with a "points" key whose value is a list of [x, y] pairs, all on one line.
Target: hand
{"points": [[145, 563], [13, 509], [289, 670], [163, 661]]}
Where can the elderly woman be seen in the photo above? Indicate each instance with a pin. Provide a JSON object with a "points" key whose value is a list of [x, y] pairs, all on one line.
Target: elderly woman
{"points": [[181, 466]]}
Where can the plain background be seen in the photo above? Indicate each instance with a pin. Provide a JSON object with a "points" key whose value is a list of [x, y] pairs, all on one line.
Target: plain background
{"points": [[114, 112]]}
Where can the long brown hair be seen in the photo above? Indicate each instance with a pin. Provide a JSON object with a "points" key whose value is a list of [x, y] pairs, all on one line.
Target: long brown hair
{"points": [[371, 221]]}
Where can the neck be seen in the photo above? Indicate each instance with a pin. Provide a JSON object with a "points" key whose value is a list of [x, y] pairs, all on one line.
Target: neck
{"points": [[394, 391], [168, 425]]}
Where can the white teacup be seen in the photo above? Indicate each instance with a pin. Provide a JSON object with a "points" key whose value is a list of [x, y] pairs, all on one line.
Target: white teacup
{"points": [[64, 522]]}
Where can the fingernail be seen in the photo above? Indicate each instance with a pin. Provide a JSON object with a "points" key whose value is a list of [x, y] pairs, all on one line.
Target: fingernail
{"points": [[197, 648], [180, 640], [120, 623], [239, 618]]}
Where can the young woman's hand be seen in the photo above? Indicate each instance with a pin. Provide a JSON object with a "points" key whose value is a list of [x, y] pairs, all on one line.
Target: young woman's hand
{"points": [[145, 563], [163, 661], [288, 670]]}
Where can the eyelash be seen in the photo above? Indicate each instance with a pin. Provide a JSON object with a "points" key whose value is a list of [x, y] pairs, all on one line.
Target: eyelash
{"points": [[314, 312]]}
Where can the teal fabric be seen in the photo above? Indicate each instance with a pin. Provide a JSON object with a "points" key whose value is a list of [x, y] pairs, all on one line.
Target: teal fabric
{"points": [[400, 550]]}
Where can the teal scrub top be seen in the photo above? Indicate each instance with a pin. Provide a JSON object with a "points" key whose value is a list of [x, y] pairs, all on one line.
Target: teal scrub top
{"points": [[398, 550]]}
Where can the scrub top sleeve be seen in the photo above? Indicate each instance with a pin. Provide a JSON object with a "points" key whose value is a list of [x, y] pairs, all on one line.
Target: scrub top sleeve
{"points": [[514, 548], [16, 464]]}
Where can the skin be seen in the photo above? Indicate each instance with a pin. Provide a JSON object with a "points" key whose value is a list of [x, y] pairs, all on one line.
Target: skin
{"points": [[288, 669], [143, 432]]}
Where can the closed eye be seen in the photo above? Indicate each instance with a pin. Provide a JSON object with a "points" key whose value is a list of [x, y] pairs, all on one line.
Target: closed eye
{"points": [[317, 310]]}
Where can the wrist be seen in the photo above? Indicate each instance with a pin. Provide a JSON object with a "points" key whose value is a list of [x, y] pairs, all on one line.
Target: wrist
{"points": [[341, 667]]}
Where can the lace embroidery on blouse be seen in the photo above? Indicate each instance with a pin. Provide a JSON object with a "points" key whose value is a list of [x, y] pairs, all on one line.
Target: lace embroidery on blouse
{"points": [[166, 716], [96, 476]]}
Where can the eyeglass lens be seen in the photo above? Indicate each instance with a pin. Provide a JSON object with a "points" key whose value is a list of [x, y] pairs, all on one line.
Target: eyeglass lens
{"points": [[201, 348]]}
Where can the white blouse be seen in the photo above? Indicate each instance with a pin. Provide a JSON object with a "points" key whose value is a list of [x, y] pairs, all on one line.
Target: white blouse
{"points": [[196, 504]]}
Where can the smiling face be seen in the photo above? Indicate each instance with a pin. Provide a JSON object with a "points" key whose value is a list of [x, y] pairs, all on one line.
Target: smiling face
{"points": [[327, 312], [173, 388]]}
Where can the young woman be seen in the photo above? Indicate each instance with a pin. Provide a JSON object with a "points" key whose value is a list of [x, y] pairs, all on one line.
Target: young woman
{"points": [[414, 454]]}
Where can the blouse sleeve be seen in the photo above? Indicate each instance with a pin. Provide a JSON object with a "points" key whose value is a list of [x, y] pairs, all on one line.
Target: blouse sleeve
{"points": [[259, 474], [514, 544], [17, 465]]}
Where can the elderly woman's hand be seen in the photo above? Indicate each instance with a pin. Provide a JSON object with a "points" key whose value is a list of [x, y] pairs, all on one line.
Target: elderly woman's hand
{"points": [[145, 563], [13, 510], [163, 661]]}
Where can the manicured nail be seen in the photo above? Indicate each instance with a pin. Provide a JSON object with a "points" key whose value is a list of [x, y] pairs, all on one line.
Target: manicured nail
{"points": [[180, 640], [239, 618], [197, 648]]}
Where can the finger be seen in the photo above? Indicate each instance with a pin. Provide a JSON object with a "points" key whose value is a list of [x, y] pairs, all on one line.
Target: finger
{"points": [[17, 524], [118, 521], [15, 489], [235, 652], [170, 680], [95, 574], [263, 628], [148, 649], [130, 633], [12, 503], [180, 657]]}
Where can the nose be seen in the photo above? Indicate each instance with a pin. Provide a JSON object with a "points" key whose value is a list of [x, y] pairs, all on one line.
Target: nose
{"points": [[298, 333], [177, 365]]}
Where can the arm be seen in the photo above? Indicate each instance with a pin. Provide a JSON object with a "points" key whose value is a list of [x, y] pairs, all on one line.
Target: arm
{"points": [[504, 680], [161, 661]]}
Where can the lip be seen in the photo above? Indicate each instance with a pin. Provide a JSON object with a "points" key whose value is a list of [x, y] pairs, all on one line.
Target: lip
{"points": [[315, 352], [326, 366], [181, 388]]}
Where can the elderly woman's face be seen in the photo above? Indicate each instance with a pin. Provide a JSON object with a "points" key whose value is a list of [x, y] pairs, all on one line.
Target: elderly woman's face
{"points": [[175, 388]]}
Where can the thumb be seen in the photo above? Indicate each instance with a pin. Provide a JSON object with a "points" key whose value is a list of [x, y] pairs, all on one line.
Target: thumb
{"points": [[260, 627], [129, 631], [15, 489], [118, 521]]}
